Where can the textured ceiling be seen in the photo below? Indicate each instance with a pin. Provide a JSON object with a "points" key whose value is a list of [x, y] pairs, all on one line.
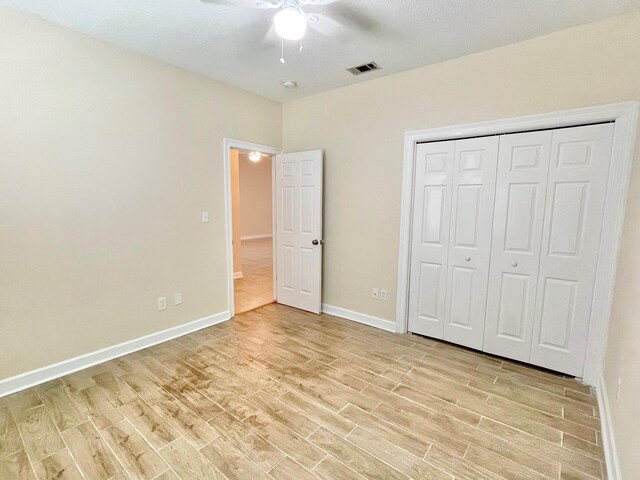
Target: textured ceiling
{"points": [[232, 41]]}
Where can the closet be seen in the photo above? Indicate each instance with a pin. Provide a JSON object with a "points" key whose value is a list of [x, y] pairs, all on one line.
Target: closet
{"points": [[505, 238]]}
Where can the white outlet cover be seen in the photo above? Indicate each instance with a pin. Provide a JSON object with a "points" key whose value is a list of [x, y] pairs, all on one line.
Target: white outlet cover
{"points": [[178, 298], [162, 303], [383, 295]]}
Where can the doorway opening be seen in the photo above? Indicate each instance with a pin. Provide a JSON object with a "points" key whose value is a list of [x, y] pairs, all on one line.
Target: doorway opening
{"points": [[252, 227], [296, 244]]}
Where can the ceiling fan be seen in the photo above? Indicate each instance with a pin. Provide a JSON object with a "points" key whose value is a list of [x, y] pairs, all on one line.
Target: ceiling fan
{"points": [[291, 21]]}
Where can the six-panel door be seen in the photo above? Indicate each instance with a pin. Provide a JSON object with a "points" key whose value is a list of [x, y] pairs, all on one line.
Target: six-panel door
{"points": [[523, 164], [299, 229], [473, 190]]}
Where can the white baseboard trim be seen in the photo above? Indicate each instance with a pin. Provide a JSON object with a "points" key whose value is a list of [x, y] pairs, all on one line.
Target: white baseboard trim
{"points": [[35, 377], [254, 237], [238, 275], [608, 438], [370, 320]]}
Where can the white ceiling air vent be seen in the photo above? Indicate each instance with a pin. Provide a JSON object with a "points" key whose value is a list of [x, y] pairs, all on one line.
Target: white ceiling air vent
{"points": [[360, 69]]}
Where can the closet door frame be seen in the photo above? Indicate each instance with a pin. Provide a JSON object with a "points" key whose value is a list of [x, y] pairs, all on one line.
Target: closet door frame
{"points": [[625, 118]]}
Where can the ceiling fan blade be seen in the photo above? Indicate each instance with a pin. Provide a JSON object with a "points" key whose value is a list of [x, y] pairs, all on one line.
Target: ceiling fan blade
{"points": [[267, 5]]}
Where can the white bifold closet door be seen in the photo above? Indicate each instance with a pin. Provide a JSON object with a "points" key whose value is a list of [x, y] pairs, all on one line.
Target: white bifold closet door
{"points": [[430, 238], [523, 165], [505, 242], [472, 199], [550, 198], [453, 211], [576, 193]]}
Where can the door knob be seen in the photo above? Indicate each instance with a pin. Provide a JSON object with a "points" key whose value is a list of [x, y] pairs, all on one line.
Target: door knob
{"points": [[317, 242], [514, 264], [467, 259]]}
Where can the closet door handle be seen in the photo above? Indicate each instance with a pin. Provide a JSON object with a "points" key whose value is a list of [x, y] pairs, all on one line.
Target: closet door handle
{"points": [[514, 264], [467, 259]]}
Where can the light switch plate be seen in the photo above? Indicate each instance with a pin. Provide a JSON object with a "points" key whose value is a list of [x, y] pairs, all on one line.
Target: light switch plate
{"points": [[178, 298], [205, 217]]}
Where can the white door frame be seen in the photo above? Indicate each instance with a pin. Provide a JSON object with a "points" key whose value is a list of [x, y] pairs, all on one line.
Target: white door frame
{"points": [[625, 116], [228, 144]]}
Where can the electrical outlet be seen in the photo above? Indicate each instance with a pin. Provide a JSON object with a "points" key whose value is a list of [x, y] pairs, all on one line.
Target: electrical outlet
{"points": [[162, 303], [618, 390], [383, 295], [375, 294], [178, 298], [205, 217]]}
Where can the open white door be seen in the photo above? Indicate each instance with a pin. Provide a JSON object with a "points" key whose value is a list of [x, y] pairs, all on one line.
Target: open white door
{"points": [[299, 229]]}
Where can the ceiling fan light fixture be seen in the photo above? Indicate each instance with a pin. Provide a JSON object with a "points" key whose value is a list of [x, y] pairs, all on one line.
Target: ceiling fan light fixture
{"points": [[290, 23], [255, 156]]}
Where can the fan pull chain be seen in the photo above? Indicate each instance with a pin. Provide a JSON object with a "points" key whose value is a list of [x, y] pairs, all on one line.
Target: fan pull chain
{"points": [[282, 52]]}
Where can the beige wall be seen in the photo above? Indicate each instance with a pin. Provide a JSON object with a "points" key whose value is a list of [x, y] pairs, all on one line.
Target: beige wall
{"points": [[361, 130], [256, 197], [107, 159], [622, 359]]}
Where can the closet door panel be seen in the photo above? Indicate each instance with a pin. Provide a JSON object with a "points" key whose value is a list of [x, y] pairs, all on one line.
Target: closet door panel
{"points": [[513, 307], [523, 164], [576, 193], [472, 202], [430, 238]]}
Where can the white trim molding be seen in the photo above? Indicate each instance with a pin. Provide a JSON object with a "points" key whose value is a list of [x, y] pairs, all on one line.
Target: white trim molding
{"points": [[35, 377], [608, 438], [370, 320], [255, 237], [227, 145], [625, 118]]}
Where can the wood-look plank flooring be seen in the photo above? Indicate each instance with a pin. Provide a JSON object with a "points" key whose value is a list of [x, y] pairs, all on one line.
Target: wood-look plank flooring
{"points": [[281, 394]]}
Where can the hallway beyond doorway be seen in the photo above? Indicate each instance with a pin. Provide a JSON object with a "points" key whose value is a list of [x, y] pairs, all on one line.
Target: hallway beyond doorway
{"points": [[255, 288]]}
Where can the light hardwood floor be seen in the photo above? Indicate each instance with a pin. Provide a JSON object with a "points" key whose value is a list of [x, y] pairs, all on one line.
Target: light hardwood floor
{"points": [[281, 394], [255, 289]]}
